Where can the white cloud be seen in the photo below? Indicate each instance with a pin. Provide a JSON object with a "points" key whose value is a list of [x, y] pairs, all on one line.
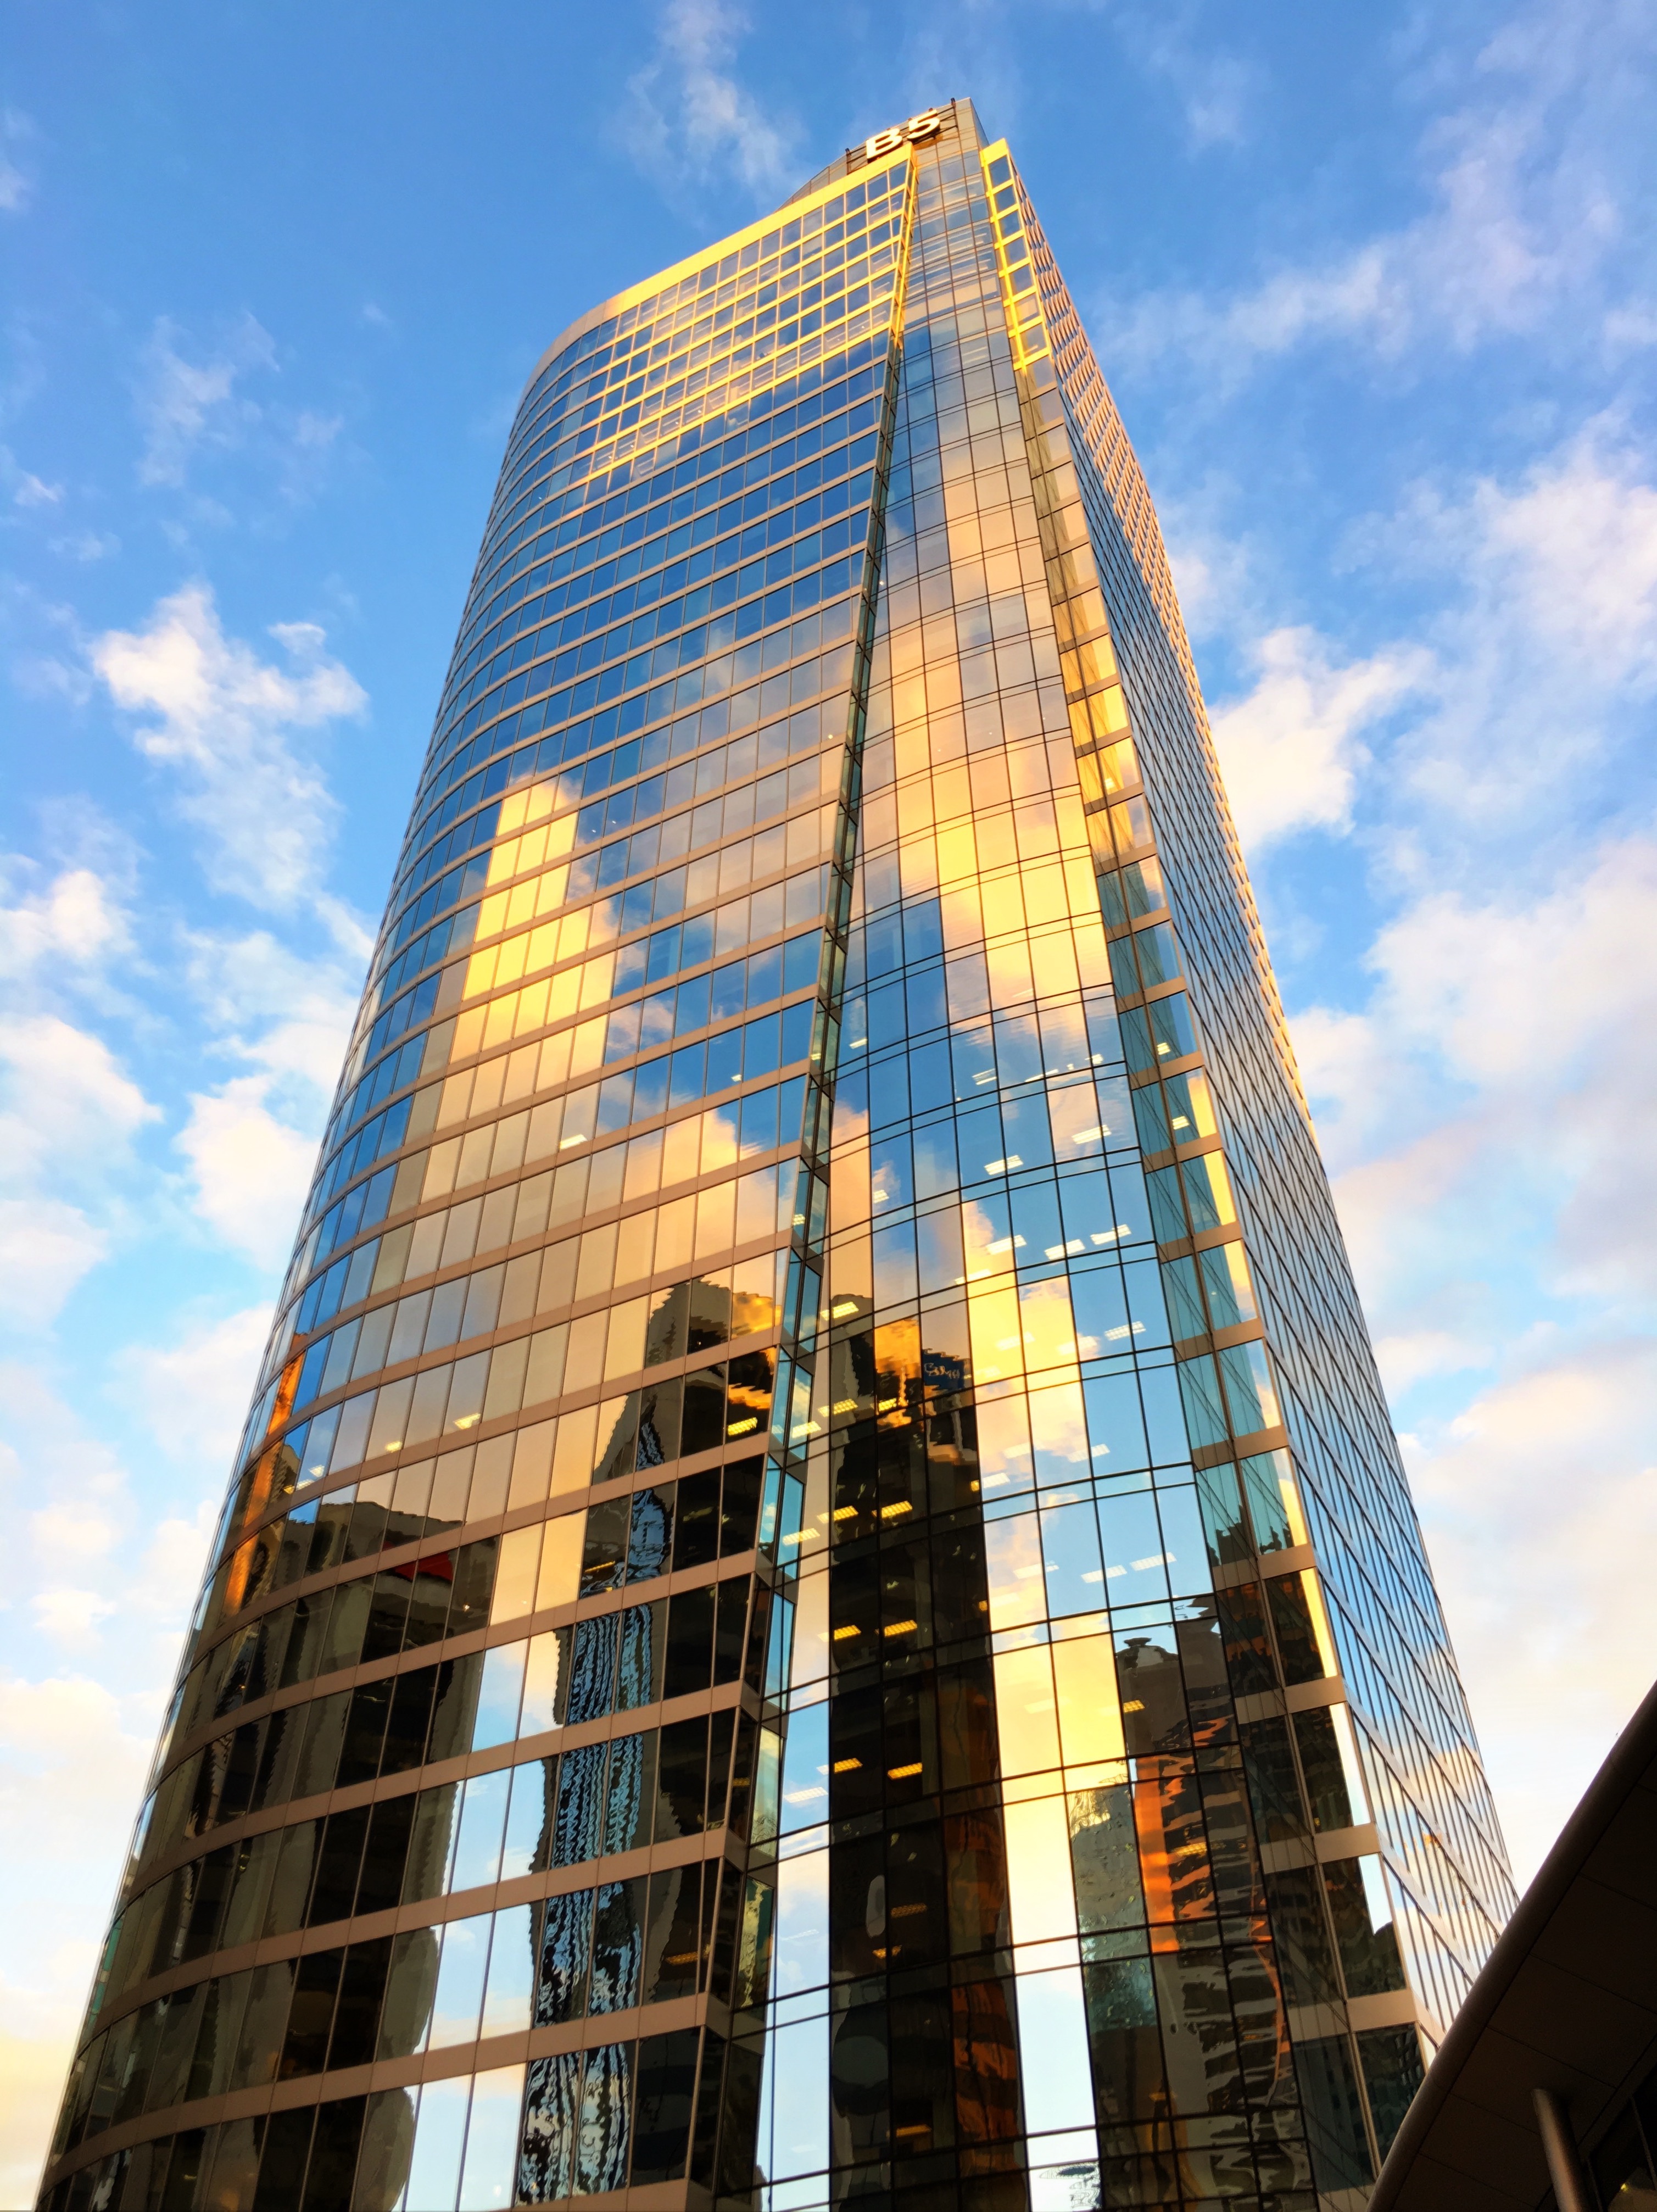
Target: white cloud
{"points": [[71, 1531], [1572, 553], [68, 1114], [244, 982], [67, 1103], [73, 1760], [57, 1467], [68, 1617], [1541, 618], [99, 1552], [251, 1170], [1544, 635], [1291, 750], [1482, 1111], [1482, 1097], [78, 921], [183, 405], [222, 718], [70, 1761], [177, 1552], [36, 2045], [251, 1142], [1540, 1506], [1530, 993], [1410, 1356], [192, 1393], [45, 1248], [689, 116]]}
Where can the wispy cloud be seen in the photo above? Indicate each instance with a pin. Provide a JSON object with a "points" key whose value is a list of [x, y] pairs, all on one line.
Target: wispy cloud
{"points": [[688, 116], [18, 136], [1219, 90], [86, 545], [223, 719], [192, 1395], [1539, 599], [203, 400], [185, 405], [1524, 206], [1572, 547], [27, 489]]}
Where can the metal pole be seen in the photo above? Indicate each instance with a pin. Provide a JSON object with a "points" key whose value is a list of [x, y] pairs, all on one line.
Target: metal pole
{"points": [[1570, 2186]]}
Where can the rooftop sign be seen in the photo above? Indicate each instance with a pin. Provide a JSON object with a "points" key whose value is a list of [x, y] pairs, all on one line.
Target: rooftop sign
{"points": [[927, 124]]}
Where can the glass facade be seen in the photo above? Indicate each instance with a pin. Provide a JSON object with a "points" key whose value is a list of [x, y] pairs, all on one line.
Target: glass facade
{"points": [[818, 1600]]}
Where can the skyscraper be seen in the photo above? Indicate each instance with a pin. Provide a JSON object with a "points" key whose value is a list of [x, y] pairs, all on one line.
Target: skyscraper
{"points": [[818, 1600]]}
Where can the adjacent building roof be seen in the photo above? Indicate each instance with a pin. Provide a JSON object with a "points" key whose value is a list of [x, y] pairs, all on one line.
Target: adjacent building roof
{"points": [[1567, 2002]]}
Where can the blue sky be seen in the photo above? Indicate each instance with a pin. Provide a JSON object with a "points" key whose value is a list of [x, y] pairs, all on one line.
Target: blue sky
{"points": [[1374, 289]]}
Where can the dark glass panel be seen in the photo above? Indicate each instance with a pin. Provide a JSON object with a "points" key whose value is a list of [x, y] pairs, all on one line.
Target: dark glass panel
{"points": [[282, 2165], [333, 1891], [1334, 2113], [390, 1829], [650, 1536], [1320, 1762], [696, 1538], [579, 1823], [1297, 1640], [672, 1953], [410, 1719], [1273, 1785], [703, 1428], [739, 1505], [365, 1733], [683, 1779], [1247, 1646], [1295, 1898], [689, 1642], [356, 2016], [310, 2017], [603, 1558], [334, 2153], [661, 2125], [985, 2064]]}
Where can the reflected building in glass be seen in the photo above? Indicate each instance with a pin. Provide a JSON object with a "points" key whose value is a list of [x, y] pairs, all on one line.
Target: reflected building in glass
{"points": [[818, 1601]]}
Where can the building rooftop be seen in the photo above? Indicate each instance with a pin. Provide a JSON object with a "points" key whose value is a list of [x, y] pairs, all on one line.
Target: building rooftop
{"points": [[1566, 2005]]}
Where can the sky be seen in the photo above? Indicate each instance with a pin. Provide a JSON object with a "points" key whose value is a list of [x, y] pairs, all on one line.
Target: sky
{"points": [[1374, 289]]}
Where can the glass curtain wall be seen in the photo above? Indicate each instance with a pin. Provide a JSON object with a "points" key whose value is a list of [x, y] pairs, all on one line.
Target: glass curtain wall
{"points": [[817, 1601]]}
